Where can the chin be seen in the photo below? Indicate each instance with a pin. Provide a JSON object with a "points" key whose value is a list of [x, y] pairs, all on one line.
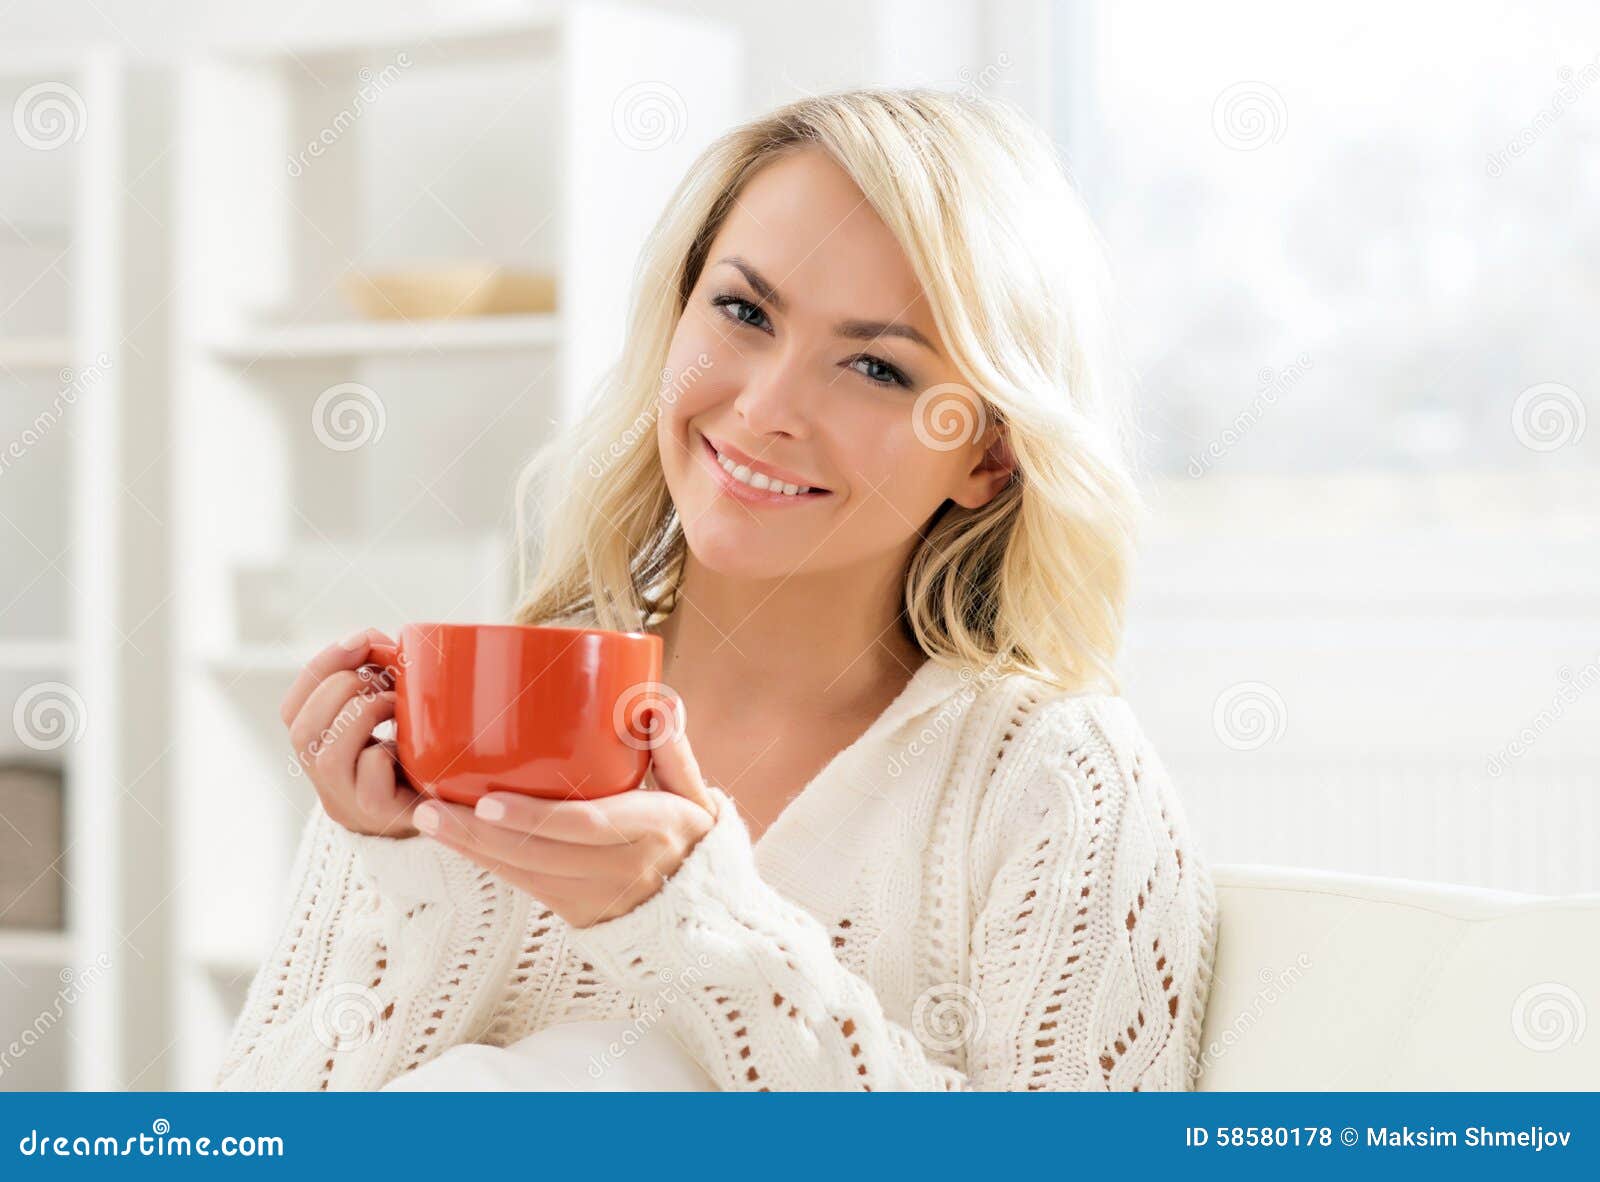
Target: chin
{"points": [[735, 557]]}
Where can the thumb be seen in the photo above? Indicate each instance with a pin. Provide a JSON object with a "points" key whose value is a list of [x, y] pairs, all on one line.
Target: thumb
{"points": [[673, 766]]}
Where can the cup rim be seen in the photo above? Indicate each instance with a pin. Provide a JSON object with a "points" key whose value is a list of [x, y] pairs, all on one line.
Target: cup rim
{"points": [[499, 626]]}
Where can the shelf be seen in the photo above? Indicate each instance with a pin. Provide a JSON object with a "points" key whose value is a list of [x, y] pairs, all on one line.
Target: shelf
{"points": [[228, 965], [41, 63], [39, 234], [255, 659], [35, 655], [35, 352], [479, 30], [308, 342], [20, 946]]}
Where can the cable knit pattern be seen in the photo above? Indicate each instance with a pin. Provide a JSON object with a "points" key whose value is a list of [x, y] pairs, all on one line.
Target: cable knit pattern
{"points": [[992, 888]]}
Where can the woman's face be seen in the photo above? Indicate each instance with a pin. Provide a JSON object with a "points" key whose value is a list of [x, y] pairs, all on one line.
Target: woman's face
{"points": [[801, 355]]}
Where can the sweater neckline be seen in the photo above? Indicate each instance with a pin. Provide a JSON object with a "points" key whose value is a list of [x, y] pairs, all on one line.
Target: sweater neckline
{"points": [[811, 810], [821, 807]]}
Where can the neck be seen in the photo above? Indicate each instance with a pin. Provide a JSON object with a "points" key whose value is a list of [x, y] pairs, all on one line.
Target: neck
{"points": [[827, 643]]}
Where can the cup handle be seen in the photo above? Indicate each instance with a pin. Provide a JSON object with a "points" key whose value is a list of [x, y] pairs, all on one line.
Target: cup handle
{"points": [[386, 656]]}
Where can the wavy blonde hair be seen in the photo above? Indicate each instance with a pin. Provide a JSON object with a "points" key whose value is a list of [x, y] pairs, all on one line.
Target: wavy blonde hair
{"points": [[1036, 580]]}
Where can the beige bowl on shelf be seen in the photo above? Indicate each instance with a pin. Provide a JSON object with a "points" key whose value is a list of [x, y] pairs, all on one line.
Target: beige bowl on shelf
{"points": [[436, 293]]}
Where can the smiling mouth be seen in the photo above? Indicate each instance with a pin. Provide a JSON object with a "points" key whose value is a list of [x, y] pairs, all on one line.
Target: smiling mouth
{"points": [[739, 481]]}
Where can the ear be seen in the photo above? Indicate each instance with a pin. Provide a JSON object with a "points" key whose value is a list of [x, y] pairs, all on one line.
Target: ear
{"points": [[991, 472]]}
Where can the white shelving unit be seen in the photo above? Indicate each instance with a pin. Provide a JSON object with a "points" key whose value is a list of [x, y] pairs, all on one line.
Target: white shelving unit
{"points": [[33, 353], [333, 472], [354, 340], [62, 368]]}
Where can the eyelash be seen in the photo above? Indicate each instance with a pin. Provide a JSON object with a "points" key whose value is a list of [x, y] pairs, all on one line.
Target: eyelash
{"points": [[728, 299]]}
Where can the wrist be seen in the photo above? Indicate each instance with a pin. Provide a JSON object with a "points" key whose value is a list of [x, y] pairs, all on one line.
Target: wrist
{"points": [[717, 876], [408, 868], [701, 823]]}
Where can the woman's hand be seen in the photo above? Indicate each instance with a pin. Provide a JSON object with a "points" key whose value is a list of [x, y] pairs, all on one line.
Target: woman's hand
{"points": [[331, 710], [588, 860]]}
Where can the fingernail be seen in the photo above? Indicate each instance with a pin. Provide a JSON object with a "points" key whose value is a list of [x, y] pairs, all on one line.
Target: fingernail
{"points": [[355, 639], [426, 818], [490, 809]]}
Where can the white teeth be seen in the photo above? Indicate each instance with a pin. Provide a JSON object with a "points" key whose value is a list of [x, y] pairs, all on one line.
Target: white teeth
{"points": [[743, 475]]}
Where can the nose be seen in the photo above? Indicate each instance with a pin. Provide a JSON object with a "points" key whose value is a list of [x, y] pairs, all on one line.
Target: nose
{"points": [[775, 399]]}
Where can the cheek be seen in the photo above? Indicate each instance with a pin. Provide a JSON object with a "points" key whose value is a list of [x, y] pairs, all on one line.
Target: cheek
{"points": [[888, 447], [894, 474], [702, 369]]}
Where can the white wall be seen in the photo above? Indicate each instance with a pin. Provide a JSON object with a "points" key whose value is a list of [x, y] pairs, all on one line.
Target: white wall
{"points": [[794, 49]]}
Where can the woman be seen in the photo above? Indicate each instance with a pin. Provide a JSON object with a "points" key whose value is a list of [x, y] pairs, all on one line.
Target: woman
{"points": [[862, 467]]}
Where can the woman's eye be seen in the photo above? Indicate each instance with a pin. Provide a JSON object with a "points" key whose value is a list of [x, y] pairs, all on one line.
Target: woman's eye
{"points": [[875, 370], [742, 310], [879, 371]]}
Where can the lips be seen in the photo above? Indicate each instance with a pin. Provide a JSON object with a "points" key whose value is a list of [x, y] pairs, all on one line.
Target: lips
{"points": [[772, 472], [748, 493]]}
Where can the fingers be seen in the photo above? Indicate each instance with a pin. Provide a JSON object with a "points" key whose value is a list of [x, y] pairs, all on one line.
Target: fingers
{"points": [[351, 730], [349, 653], [580, 822], [673, 766], [380, 796], [459, 827], [319, 722], [611, 820], [448, 822]]}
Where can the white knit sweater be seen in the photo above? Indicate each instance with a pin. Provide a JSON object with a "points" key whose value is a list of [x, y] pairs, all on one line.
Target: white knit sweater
{"points": [[993, 887]]}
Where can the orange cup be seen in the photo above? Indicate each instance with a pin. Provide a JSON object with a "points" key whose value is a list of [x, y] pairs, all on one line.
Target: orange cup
{"points": [[562, 713]]}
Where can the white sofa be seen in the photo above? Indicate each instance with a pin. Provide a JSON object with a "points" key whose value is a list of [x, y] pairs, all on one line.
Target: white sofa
{"points": [[1350, 983]]}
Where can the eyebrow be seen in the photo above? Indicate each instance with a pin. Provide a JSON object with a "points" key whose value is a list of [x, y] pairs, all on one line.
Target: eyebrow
{"points": [[860, 330]]}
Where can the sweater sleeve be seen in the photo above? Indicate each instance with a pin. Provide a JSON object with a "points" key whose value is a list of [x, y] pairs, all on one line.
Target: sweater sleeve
{"points": [[1089, 957], [393, 950]]}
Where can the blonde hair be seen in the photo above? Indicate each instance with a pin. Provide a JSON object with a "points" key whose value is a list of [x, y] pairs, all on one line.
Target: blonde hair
{"points": [[1036, 580]]}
